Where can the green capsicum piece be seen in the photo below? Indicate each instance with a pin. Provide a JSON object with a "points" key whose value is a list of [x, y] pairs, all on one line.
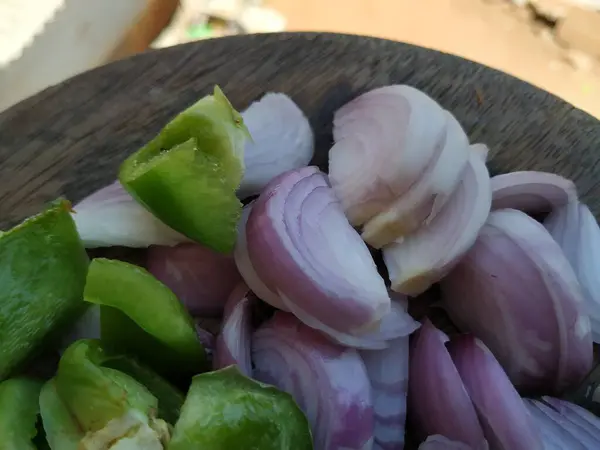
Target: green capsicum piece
{"points": [[19, 409], [88, 406], [43, 266], [143, 317], [187, 176], [225, 410]]}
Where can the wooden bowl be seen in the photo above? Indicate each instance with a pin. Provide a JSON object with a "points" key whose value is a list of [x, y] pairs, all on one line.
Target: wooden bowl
{"points": [[70, 139]]}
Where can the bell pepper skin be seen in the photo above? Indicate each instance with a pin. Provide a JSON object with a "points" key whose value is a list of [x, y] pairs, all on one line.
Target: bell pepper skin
{"points": [[19, 408], [43, 267], [188, 175], [142, 317]]}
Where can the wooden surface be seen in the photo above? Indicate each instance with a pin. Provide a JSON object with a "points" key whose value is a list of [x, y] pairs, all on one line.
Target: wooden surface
{"points": [[70, 139]]}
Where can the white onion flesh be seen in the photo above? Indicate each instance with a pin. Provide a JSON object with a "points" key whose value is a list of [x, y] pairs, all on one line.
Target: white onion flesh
{"points": [[425, 257], [282, 140], [576, 230]]}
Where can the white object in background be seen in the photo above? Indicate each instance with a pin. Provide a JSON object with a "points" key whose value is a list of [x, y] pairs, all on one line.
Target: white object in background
{"points": [[43, 42]]}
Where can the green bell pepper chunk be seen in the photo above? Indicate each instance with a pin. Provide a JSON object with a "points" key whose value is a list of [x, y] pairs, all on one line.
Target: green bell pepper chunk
{"points": [[43, 266], [19, 408], [142, 317], [88, 405], [225, 410], [188, 175]]}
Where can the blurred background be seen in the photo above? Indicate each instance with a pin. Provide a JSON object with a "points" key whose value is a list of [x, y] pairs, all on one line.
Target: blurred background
{"points": [[553, 44]]}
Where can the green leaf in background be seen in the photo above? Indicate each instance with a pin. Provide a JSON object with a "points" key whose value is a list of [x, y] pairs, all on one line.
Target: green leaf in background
{"points": [[19, 409], [187, 176], [225, 410], [142, 317], [43, 266]]}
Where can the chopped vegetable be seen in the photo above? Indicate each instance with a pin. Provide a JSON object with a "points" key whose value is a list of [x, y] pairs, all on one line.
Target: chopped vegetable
{"points": [[438, 402], [574, 228], [19, 409], [397, 158], [329, 382], [143, 317], [93, 405], [303, 248], [516, 291], [388, 376], [200, 277], [111, 217], [282, 140], [42, 267], [226, 410], [233, 342], [187, 176], [504, 418], [424, 257], [531, 192]]}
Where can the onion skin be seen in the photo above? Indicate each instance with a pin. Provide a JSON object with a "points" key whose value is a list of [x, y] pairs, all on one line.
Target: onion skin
{"points": [[388, 373], [299, 242], [233, 342], [426, 256], [531, 192], [384, 141], [575, 229], [282, 140], [111, 217], [438, 402], [516, 291], [577, 415], [329, 382], [201, 278], [506, 423], [438, 442]]}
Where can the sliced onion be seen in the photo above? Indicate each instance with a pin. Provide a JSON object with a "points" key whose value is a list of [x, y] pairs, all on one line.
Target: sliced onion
{"points": [[303, 249], [388, 373], [282, 140], [503, 416], [576, 415], [516, 291], [111, 217], [426, 197], [438, 402], [245, 267], [201, 278], [531, 192], [329, 382], [233, 342], [207, 339], [384, 141], [481, 150], [553, 436], [426, 256], [550, 418], [438, 442], [575, 229]]}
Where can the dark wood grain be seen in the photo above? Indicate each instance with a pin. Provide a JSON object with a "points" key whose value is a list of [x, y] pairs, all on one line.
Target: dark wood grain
{"points": [[70, 139]]}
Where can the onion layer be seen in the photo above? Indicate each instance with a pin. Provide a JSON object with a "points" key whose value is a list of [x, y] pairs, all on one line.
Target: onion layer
{"points": [[233, 342], [303, 249], [111, 217], [388, 373], [438, 402], [426, 256], [282, 140], [506, 423], [531, 192], [516, 291], [201, 278], [575, 229], [428, 194], [384, 141], [438, 442], [329, 382]]}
